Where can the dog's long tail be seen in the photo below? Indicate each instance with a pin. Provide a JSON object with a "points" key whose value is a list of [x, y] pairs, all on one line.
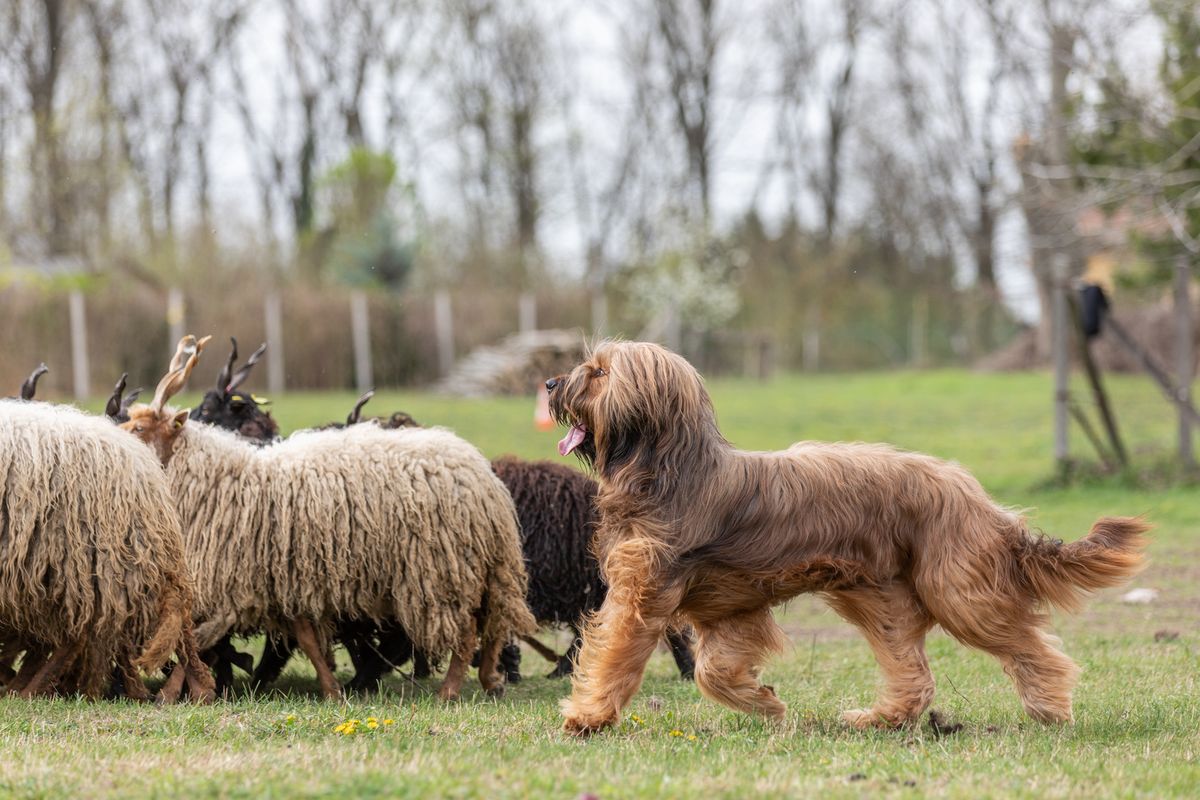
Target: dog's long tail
{"points": [[1064, 574]]}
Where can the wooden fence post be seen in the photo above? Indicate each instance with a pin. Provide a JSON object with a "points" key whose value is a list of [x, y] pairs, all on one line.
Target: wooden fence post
{"points": [[176, 311], [360, 332], [81, 372], [1059, 340], [273, 321], [599, 311], [1184, 357], [527, 312], [918, 330], [443, 323]]}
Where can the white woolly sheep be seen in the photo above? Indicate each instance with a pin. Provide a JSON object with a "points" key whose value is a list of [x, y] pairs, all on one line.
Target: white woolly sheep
{"points": [[92, 574], [411, 527]]}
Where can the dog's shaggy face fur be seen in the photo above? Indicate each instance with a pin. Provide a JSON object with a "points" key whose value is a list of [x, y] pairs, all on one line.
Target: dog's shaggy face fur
{"points": [[896, 542]]}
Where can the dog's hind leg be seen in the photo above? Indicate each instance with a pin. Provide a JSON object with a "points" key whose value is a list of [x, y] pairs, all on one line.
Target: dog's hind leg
{"points": [[1044, 676], [729, 657], [1004, 620], [894, 622]]}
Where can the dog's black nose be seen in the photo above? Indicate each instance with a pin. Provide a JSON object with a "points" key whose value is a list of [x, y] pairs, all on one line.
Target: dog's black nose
{"points": [[550, 384]]}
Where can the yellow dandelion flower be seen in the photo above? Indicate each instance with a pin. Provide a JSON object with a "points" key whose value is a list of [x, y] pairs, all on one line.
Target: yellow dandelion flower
{"points": [[677, 732], [389, 722], [691, 737], [372, 724], [371, 719]]}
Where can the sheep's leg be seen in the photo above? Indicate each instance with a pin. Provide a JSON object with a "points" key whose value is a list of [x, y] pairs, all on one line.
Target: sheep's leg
{"points": [[198, 676], [452, 684], [93, 672], [680, 642], [135, 689], [306, 637], [276, 653], [489, 677], [510, 662], [421, 668], [44, 679], [566, 662], [170, 691]]}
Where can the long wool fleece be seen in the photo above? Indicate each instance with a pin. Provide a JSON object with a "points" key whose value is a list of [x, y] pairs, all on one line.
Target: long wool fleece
{"points": [[408, 525], [90, 544]]}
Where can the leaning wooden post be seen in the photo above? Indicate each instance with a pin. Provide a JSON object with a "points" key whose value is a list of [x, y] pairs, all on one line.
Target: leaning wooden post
{"points": [[1184, 357], [273, 321], [1062, 397], [81, 372], [360, 332]]}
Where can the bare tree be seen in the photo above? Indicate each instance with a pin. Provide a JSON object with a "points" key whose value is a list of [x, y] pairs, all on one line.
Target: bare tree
{"points": [[37, 37], [690, 37], [190, 49]]}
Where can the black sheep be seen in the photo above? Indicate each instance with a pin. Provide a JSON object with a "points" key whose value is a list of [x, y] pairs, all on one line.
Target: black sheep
{"points": [[225, 407], [556, 507]]}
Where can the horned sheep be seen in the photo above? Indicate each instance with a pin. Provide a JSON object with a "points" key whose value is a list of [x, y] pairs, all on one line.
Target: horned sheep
{"points": [[92, 574], [411, 528]]}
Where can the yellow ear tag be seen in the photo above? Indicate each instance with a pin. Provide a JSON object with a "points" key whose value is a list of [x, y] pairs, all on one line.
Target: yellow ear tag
{"points": [[237, 398]]}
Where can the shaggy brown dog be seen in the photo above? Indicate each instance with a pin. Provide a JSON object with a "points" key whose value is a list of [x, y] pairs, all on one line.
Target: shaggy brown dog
{"points": [[896, 542]]}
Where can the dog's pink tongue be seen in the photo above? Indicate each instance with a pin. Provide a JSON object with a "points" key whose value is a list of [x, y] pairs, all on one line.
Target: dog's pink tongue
{"points": [[573, 439]]}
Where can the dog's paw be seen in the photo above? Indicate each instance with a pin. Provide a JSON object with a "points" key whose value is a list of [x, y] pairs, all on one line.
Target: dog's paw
{"points": [[585, 726], [863, 719]]}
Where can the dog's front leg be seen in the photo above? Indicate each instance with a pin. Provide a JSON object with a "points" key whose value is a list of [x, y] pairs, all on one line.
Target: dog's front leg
{"points": [[618, 641]]}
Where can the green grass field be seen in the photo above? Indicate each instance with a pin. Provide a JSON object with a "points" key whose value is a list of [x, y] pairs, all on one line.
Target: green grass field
{"points": [[1137, 729]]}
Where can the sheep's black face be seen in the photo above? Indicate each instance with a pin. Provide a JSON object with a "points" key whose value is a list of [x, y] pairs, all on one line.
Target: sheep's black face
{"points": [[238, 412]]}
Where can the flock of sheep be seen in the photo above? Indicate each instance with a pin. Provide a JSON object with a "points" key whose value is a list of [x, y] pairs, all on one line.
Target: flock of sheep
{"points": [[152, 532]]}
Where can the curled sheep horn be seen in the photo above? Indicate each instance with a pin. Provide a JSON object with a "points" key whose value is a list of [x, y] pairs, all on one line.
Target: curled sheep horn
{"points": [[227, 370], [187, 353], [353, 417], [240, 376], [29, 387], [112, 409]]}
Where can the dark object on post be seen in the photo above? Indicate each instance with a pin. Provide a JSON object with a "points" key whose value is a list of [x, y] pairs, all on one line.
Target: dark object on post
{"points": [[1093, 305]]}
